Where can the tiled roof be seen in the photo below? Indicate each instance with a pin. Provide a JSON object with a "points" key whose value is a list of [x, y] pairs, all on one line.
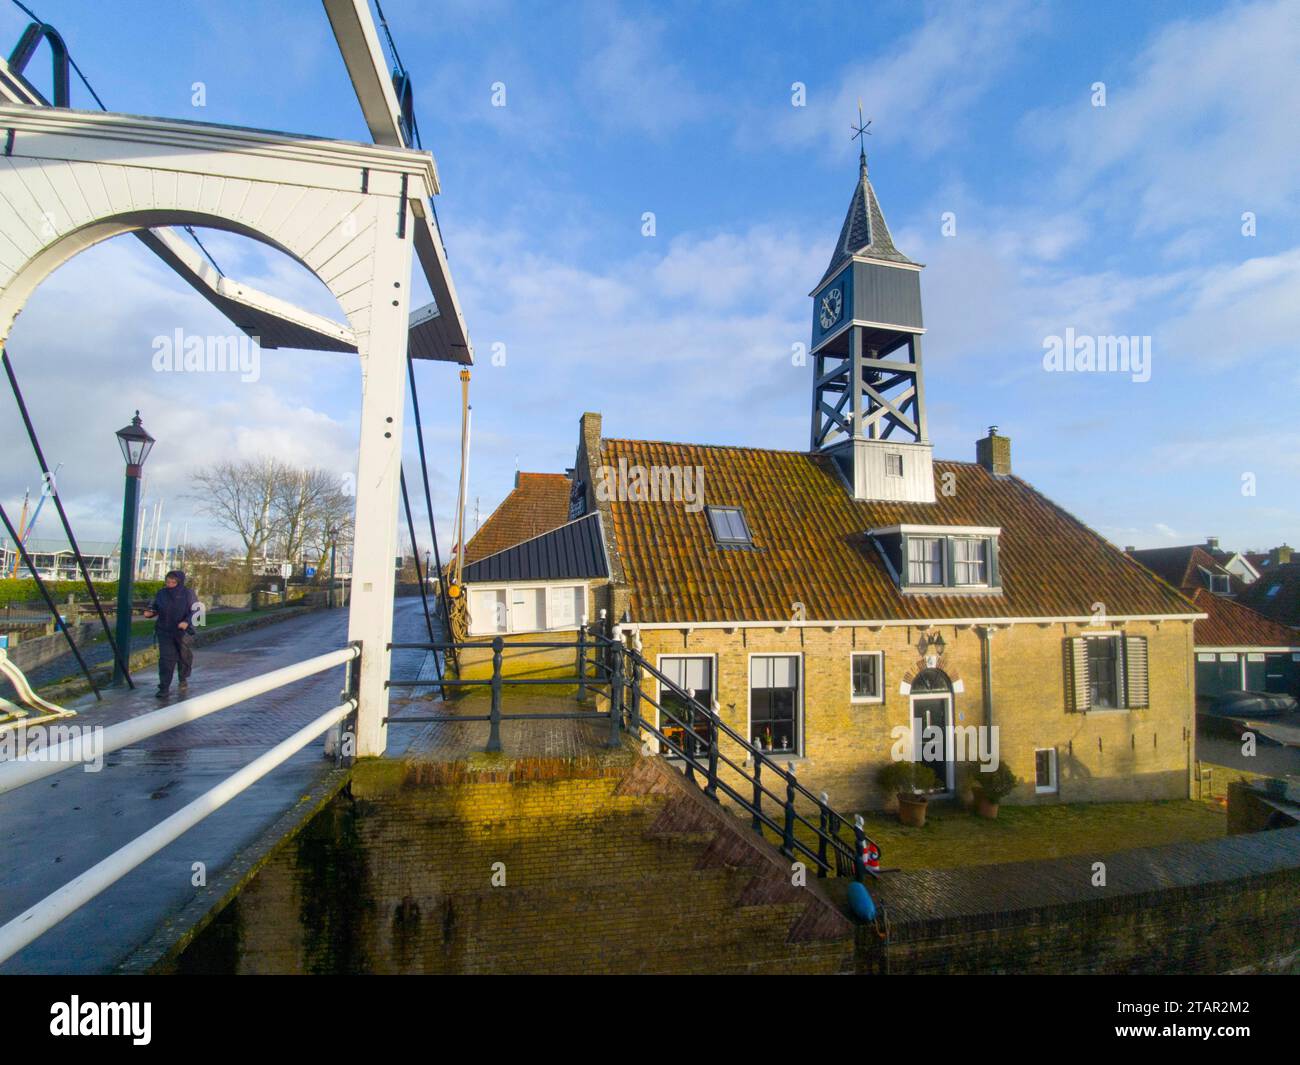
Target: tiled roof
{"points": [[811, 546], [574, 550], [1181, 566], [1283, 605], [538, 503], [1232, 625]]}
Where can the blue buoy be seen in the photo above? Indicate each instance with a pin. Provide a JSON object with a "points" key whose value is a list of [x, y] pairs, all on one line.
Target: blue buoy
{"points": [[861, 902]]}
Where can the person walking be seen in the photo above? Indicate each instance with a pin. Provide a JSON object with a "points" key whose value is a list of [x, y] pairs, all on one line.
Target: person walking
{"points": [[175, 607]]}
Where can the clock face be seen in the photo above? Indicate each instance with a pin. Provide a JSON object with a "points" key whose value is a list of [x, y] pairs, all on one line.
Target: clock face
{"points": [[832, 305]]}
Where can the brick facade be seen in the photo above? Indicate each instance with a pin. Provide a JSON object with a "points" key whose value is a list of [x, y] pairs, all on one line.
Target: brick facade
{"points": [[621, 868], [1101, 756]]}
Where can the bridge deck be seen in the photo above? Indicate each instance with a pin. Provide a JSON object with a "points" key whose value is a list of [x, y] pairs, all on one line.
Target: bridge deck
{"points": [[54, 829]]}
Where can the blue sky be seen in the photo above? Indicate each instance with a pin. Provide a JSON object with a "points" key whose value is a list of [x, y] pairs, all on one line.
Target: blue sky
{"points": [[1124, 219]]}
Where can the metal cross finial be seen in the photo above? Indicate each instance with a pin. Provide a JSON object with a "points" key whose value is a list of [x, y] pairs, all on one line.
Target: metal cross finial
{"points": [[860, 132]]}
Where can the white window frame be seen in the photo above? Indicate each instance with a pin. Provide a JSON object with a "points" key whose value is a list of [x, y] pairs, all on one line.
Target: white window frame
{"points": [[942, 561], [798, 752], [545, 587], [659, 687], [880, 678], [957, 582], [890, 456], [1054, 785]]}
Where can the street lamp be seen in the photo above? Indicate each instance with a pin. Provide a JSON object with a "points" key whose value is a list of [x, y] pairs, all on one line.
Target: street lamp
{"points": [[136, 445]]}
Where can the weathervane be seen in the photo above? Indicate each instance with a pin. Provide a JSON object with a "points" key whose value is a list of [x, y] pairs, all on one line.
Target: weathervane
{"points": [[861, 131]]}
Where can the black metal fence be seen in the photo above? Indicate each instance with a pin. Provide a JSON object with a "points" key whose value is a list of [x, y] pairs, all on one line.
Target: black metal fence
{"points": [[688, 733]]}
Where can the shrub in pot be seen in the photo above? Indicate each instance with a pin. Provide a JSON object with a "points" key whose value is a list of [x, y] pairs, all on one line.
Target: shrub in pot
{"points": [[992, 787], [909, 781]]}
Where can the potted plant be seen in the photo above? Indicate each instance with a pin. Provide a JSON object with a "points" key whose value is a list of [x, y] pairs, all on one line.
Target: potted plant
{"points": [[966, 775], [992, 787], [909, 781]]}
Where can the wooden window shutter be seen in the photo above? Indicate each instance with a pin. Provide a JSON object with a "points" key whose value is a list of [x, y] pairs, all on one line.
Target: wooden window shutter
{"points": [[1078, 692], [1137, 691]]}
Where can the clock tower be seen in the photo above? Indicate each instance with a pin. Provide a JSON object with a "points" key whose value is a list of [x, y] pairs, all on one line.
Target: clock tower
{"points": [[868, 401]]}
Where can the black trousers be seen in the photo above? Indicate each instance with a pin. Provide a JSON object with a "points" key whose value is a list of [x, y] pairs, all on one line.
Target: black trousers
{"points": [[175, 652]]}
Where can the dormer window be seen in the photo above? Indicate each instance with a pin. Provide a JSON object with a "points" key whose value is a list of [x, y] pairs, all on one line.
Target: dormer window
{"points": [[924, 560], [970, 561], [1219, 583], [941, 559], [729, 526]]}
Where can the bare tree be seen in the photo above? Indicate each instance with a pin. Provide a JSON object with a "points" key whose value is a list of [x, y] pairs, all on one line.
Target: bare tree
{"points": [[297, 505], [240, 497], [331, 524]]}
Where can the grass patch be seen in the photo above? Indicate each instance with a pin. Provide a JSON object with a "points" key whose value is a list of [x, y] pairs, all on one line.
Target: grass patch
{"points": [[953, 838], [144, 628]]}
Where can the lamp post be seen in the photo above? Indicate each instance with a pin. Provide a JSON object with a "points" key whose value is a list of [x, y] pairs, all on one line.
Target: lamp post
{"points": [[135, 444]]}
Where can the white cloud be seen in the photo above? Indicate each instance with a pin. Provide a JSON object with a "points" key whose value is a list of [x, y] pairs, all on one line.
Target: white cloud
{"points": [[917, 89], [1199, 127]]}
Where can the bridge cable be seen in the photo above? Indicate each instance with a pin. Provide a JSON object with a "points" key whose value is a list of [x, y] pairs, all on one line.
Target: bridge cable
{"points": [[59, 623], [419, 575], [428, 503], [52, 487]]}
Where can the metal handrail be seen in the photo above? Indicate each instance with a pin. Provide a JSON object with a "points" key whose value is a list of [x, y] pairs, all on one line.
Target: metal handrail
{"points": [[829, 818], [34, 766], [621, 667], [44, 915]]}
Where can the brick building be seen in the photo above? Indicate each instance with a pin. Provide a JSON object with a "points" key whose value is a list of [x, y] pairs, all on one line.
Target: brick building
{"points": [[836, 602]]}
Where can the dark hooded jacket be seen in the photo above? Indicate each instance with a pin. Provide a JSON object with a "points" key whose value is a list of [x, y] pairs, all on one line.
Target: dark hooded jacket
{"points": [[174, 605]]}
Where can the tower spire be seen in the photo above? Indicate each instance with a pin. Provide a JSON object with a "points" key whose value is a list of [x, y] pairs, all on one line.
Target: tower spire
{"points": [[868, 402], [860, 133]]}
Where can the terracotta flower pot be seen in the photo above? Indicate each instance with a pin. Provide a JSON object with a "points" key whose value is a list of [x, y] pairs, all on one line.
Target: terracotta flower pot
{"points": [[911, 810], [984, 807]]}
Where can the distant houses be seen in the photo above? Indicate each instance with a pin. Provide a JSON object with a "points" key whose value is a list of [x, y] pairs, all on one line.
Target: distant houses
{"points": [[1238, 646]]}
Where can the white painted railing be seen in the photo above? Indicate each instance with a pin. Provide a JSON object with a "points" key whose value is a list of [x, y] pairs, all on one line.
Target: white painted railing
{"points": [[44, 915], [46, 762]]}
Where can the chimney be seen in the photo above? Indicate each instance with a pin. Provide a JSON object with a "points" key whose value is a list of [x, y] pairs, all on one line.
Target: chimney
{"points": [[589, 434], [993, 452], [1130, 549], [1280, 556], [1211, 543]]}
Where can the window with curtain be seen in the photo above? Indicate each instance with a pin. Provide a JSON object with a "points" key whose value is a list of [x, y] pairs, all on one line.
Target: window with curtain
{"points": [[774, 703], [924, 560], [970, 561]]}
